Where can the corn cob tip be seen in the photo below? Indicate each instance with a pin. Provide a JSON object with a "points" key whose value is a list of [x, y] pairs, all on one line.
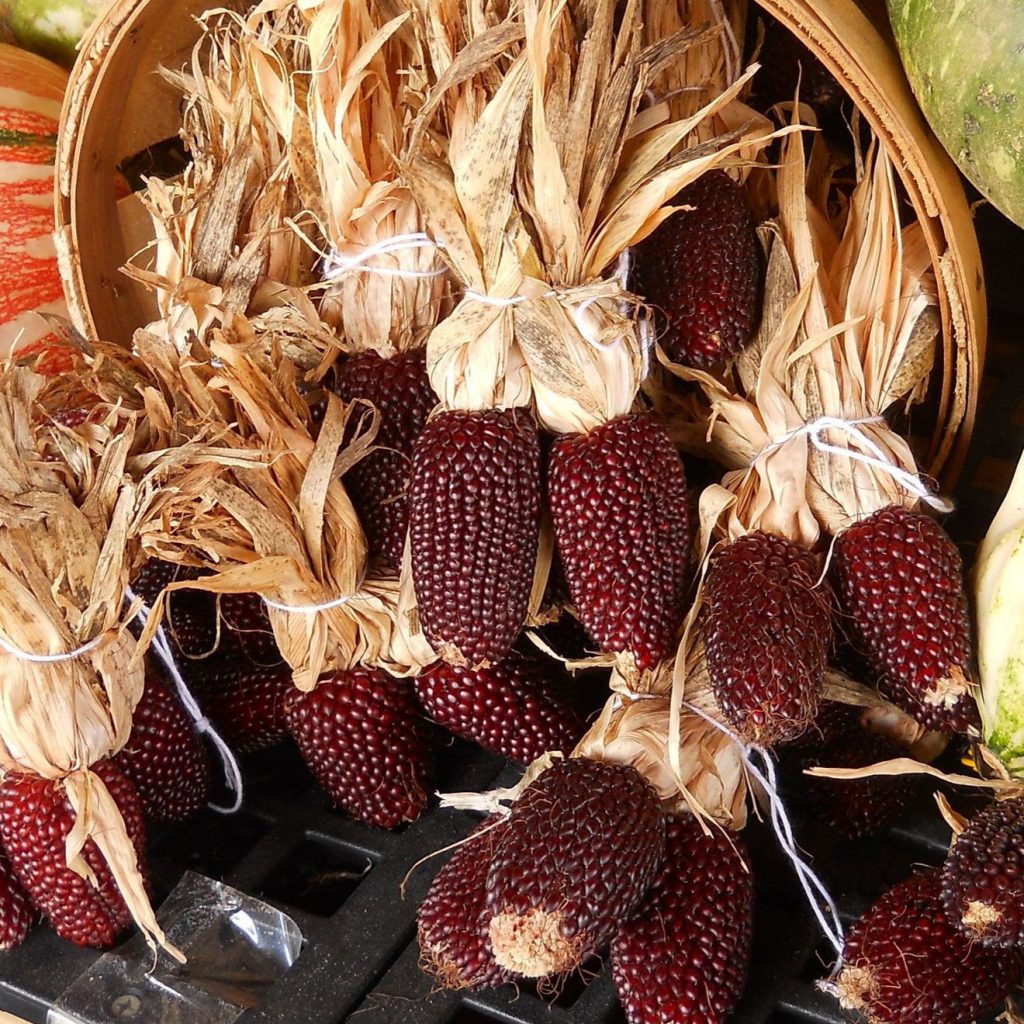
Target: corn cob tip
{"points": [[532, 944]]}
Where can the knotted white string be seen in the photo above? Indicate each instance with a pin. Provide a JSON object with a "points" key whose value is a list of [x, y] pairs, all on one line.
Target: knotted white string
{"points": [[623, 695], [312, 609], [232, 773], [813, 887], [48, 659], [335, 265], [509, 302], [815, 432]]}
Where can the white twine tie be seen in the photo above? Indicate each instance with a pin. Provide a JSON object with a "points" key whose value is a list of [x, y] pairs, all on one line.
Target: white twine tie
{"points": [[815, 432], [335, 265], [49, 659], [813, 887], [506, 303], [313, 609], [232, 773], [623, 695]]}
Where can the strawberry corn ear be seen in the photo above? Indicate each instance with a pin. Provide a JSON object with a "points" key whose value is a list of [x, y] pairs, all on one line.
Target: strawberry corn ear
{"points": [[364, 737], [16, 909], [768, 636], [36, 817], [474, 527], [165, 757], [455, 947], [899, 578], [400, 390], [700, 273], [906, 963], [520, 708], [580, 848], [619, 508], [983, 877], [683, 956]]}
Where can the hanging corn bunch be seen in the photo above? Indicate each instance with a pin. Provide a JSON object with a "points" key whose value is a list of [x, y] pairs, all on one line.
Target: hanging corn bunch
{"points": [[76, 495]]}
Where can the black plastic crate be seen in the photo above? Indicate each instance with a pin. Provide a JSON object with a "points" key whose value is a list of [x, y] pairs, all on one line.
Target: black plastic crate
{"points": [[341, 881]]}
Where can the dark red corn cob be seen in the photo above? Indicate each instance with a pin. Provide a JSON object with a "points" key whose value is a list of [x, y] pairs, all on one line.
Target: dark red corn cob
{"points": [[700, 272], [582, 844], [247, 704], [400, 389], [768, 633], [983, 878], [365, 739], [683, 957], [832, 721], [455, 947], [35, 819], [16, 910], [619, 510], [190, 618], [248, 628], [165, 757], [786, 65], [71, 418], [474, 522], [905, 962], [518, 709], [859, 807], [900, 585]]}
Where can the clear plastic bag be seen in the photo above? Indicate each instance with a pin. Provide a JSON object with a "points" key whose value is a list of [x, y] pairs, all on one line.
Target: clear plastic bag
{"points": [[236, 947]]}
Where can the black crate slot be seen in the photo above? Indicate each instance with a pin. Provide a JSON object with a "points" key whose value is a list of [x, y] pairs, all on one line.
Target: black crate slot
{"points": [[317, 877], [819, 963], [280, 772], [212, 844], [565, 992]]}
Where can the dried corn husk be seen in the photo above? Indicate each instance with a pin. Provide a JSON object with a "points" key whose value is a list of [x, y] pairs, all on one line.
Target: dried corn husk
{"points": [[366, 86], [531, 223], [700, 769], [117, 105], [285, 529], [704, 70], [221, 227], [247, 503], [68, 544], [848, 333]]}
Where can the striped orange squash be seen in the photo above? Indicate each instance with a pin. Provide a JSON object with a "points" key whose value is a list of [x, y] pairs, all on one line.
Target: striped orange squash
{"points": [[31, 90]]}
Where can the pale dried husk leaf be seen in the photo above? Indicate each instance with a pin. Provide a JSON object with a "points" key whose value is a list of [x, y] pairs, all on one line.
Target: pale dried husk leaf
{"points": [[286, 528], [705, 70], [345, 128], [676, 737], [594, 179], [221, 227], [884, 718], [467, 199], [543, 188]]}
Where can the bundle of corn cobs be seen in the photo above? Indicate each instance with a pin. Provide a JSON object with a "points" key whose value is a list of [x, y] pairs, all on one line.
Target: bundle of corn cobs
{"points": [[445, 291]]}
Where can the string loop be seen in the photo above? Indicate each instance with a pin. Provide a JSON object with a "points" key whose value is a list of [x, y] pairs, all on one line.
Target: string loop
{"points": [[335, 265], [814, 888], [815, 431], [49, 659], [232, 773], [312, 609]]}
